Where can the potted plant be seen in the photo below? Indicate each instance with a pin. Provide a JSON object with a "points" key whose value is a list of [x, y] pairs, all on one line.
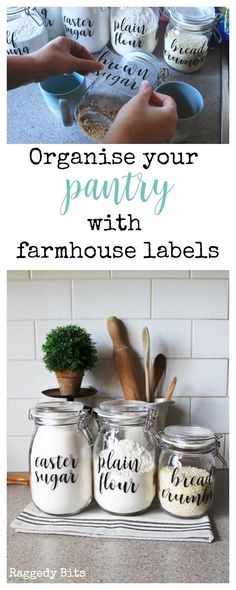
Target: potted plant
{"points": [[69, 351]]}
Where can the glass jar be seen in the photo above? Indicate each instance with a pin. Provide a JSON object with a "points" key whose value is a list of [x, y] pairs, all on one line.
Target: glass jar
{"points": [[89, 26], [187, 37], [26, 31], [60, 457], [113, 87], [124, 458], [134, 28], [52, 20], [186, 470]]}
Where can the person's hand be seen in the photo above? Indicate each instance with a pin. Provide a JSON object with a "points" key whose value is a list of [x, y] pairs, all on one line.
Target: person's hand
{"points": [[63, 56], [59, 56], [149, 117]]}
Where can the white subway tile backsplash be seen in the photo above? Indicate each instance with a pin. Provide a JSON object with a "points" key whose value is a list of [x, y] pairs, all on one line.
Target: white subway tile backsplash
{"points": [[210, 339], [190, 299], [17, 453], [179, 412], [207, 378], [30, 300], [20, 340], [18, 275], [104, 378], [209, 274], [69, 274], [18, 422], [151, 274], [122, 298], [171, 337], [212, 413], [27, 379], [97, 329]]}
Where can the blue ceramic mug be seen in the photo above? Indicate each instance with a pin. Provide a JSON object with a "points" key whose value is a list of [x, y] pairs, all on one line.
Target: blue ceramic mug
{"points": [[189, 103], [62, 94]]}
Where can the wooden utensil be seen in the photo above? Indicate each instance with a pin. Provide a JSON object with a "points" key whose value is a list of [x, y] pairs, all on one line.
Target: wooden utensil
{"points": [[124, 360], [171, 388], [146, 351], [18, 478], [158, 370]]}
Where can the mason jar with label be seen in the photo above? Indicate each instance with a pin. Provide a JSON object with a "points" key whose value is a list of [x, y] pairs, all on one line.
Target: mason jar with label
{"points": [[60, 457], [124, 458], [26, 31], [186, 470], [134, 28], [52, 21], [187, 37], [118, 82], [89, 26]]}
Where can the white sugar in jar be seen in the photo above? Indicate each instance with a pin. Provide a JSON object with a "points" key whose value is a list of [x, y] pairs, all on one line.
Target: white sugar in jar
{"points": [[88, 26], [60, 458]]}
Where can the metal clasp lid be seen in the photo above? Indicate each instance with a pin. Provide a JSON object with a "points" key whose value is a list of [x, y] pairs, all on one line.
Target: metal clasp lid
{"points": [[148, 426], [28, 10], [84, 425], [216, 450]]}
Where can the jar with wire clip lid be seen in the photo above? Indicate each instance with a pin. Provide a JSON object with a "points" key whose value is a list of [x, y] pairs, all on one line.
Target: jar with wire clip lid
{"points": [[186, 470], [26, 31], [60, 457], [134, 28], [124, 458], [187, 37], [114, 87]]}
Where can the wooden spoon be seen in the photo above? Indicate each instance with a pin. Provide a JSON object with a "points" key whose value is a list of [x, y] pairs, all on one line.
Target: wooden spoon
{"points": [[171, 388], [158, 370], [146, 351]]}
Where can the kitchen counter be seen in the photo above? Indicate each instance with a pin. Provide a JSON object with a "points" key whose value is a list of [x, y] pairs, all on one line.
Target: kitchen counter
{"points": [[119, 560], [30, 121]]}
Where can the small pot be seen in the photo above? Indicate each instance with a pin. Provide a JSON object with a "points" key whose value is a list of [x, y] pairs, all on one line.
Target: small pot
{"points": [[69, 382]]}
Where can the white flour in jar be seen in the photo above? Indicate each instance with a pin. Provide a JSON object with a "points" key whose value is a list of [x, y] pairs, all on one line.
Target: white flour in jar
{"points": [[124, 477], [185, 491], [24, 35], [133, 28], [61, 470], [185, 52]]}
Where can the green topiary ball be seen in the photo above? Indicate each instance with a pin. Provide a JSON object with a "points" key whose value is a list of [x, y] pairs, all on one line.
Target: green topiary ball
{"points": [[69, 347]]}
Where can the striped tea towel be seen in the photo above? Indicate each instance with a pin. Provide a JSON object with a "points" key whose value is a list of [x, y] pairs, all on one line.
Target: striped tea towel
{"points": [[154, 525]]}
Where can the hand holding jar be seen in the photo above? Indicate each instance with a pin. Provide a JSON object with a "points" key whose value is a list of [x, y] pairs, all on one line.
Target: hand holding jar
{"points": [[149, 117]]}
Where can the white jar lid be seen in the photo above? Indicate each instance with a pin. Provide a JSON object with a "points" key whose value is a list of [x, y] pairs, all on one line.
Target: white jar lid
{"points": [[191, 18], [56, 413], [123, 411], [191, 438]]}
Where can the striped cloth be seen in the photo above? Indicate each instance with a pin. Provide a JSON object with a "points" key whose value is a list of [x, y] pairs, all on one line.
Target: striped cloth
{"points": [[154, 525]]}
